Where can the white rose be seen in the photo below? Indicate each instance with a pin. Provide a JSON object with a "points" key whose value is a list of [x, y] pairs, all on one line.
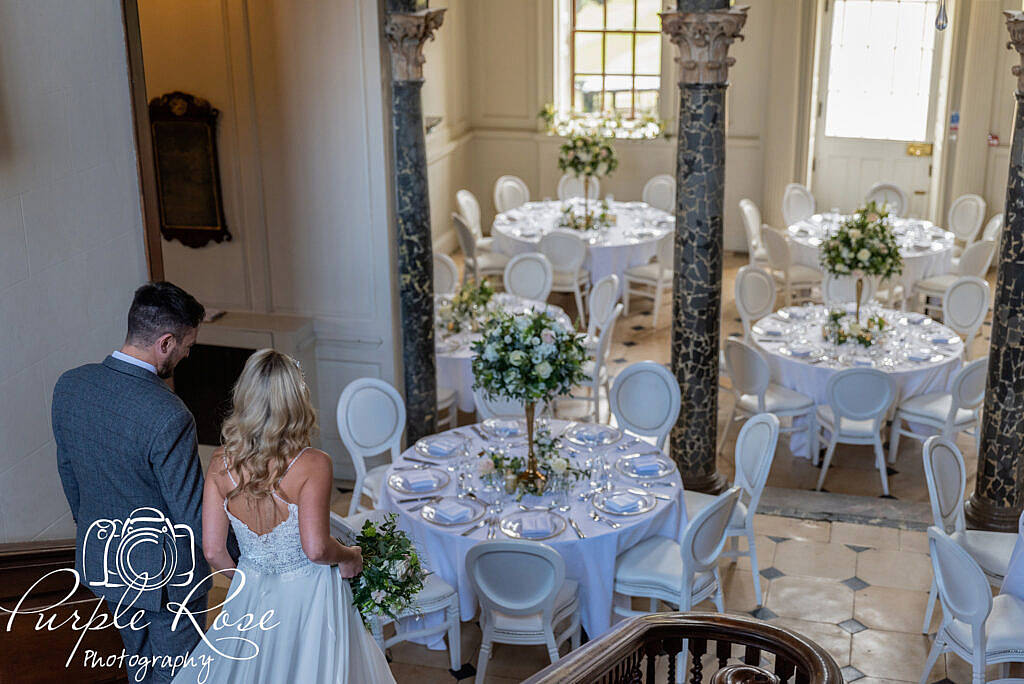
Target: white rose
{"points": [[863, 255], [543, 370], [378, 596], [547, 336], [559, 465], [855, 233], [490, 353], [486, 466], [517, 358]]}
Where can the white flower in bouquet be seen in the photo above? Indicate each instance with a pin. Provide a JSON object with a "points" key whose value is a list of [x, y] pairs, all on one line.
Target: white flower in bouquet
{"points": [[863, 255], [486, 466], [491, 352], [517, 358], [855, 234], [547, 336], [543, 370], [559, 465], [378, 595]]}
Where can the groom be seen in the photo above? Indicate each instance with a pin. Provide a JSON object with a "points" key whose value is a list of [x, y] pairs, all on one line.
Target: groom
{"points": [[128, 460]]}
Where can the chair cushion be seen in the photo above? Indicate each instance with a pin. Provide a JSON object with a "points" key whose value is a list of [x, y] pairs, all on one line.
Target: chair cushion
{"points": [[698, 501], [491, 262], [760, 254], [655, 565], [935, 406], [435, 590], [936, 284], [798, 273], [565, 602], [776, 399], [646, 272], [563, 279], [992, 550], [484, 244], [1002, 628], [848, 427]]}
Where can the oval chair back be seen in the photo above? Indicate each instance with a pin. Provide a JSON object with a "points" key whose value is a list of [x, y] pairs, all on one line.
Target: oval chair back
{"points": [[964, 307], [751, 216], [446, 275], [529, 275], [660, 193], [966, 214], [645, 400], [464, 234], [747, 369], [946, 477], [469, 208], [797, 203], [510, 192], [890, 196], [515, 577], [704, 537], [963, 589], [755, 293], [860, 394], [565, 249], [993, 229], [603, 298], [371, 419], [777, 246], [968, 388], [755, 451], [977, 258], [570, 186]]}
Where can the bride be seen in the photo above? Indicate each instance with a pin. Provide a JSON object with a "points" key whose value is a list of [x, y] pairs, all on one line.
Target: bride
{"points": [[288, 615]]}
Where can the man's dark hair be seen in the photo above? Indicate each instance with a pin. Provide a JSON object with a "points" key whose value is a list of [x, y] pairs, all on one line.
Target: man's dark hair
{"points": [[160, 308]]}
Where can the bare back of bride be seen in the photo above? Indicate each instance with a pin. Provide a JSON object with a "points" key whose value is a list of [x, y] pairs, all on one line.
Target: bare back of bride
{"points": [[288, 614]]}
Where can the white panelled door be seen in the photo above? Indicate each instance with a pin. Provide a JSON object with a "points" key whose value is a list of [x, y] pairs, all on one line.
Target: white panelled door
{"points": [[877, 93]]}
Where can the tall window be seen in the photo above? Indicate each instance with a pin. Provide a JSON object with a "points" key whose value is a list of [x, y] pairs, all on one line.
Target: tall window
{"points": [[615, 51], [880, 69]]}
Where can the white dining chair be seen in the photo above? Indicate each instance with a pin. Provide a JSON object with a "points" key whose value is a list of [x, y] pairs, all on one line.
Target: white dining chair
{"points": [[469, 209], [950, 413], [529, 275], [371, 419], [436, 596], [570, 186], [446, 274], [946, 476], [481, 264], [793, 278], [973, 262], [964, 308], [510, 192], [797, 203], [524, 597], [650, 280], [754, 393], [976, 627], [993, 229], [757, 255], [603, 298], [660, 193], [447, 407], [858, 402], [645, 401], [567, 251], [838, 291], [890, 196], [755, 451], [965, 216], [596, 368], [754, 291]]}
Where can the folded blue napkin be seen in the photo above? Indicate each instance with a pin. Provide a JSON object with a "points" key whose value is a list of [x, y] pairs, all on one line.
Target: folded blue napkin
{"points": [[452, 511], [623, 503], [418, 480]]}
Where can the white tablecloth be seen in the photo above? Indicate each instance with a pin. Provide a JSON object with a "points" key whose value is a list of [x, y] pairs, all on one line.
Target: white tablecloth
{"points": [[1013, 583], [927, 250], [590, 561], [801, 327], [632, 241], [455, 355]]}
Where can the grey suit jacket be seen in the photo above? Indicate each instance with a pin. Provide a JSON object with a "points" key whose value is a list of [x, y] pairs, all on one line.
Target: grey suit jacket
{"points": [[128, 460]]}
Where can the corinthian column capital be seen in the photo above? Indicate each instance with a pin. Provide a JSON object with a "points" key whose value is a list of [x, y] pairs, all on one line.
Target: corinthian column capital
{"points": [[406, 33], [703, 39], [1015, 25]]}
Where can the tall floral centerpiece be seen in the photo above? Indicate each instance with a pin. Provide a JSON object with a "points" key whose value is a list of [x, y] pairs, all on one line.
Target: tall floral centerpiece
{"points": [[528, 357], [864, 245], [588, 155]]}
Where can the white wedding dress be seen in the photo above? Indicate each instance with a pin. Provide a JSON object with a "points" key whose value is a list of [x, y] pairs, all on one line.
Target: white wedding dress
{"points": [[319, 637]]}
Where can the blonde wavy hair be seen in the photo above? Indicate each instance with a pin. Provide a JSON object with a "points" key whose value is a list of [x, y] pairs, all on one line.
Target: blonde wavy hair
{"points": [[272, 420]]}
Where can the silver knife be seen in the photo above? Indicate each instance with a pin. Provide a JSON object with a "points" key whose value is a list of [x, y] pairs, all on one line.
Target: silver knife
{"points": [[418, 506], [656, 495], [477, 526], [478, 431], [419, 460], [415, 499], [576, 527]]}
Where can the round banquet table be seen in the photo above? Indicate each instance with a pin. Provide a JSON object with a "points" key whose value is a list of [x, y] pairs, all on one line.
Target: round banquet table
{"points": [[454, 352], [927, 249], [1013, 583], [632, 241], [912, 352], [590, 560]]}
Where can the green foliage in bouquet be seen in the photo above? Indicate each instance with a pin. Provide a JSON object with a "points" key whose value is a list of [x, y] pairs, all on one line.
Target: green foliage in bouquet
{"points": [[588, 155], [527, 357], [590, 221], [466, 308], [837, 331], [392, 573], [496, 465], [863, 244]]}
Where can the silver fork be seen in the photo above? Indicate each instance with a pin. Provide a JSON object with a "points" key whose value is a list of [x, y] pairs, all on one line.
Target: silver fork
{"points": [[491, 530], [610, 523]]}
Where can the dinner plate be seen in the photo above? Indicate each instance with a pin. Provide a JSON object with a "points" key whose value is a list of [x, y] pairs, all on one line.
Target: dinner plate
{"points": [[396, 481], [512, 525], [504, 428], [604, 434], [429, 511], [422, 447], [645, 502], [665, 466]]}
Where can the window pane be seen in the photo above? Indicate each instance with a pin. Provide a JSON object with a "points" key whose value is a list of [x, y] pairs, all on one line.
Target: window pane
{"points": [[618, 53], [647, 15], [587, 94], [648, 54], [589, 14], [646, 102], [588, 52], [620, 14]]}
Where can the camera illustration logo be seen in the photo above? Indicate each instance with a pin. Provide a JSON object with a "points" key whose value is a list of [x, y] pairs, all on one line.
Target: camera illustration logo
{"points": [[140, 552]]}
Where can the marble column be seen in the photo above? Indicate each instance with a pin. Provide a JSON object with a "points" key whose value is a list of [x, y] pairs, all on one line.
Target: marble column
{"points": [[702, 30], [406, 32], [999, 491]]}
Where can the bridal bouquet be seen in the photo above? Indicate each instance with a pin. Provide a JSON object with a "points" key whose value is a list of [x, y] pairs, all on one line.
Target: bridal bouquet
{"points": [[392, 574], [467, 307], [863, 244]]}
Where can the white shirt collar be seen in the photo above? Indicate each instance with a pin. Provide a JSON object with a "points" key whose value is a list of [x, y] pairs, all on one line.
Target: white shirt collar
{"points": [[117, 354]]}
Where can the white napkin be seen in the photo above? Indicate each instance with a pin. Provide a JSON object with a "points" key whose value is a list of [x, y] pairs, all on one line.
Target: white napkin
{"points": [[646, 464], [623, 503], [916, 318], [535, 525], [451, 511], [443, 446], [944, 339], [418, 480]]}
